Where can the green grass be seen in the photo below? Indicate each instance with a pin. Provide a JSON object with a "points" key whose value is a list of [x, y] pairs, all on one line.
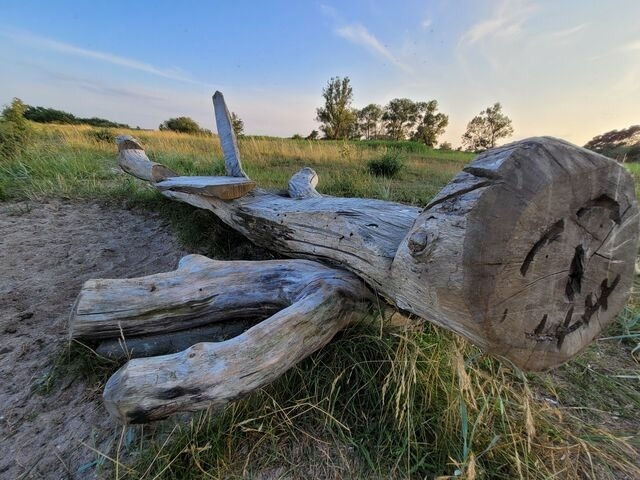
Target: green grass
{"points": [[378, 401]]}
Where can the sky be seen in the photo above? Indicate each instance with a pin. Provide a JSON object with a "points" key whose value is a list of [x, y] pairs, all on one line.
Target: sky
{"points": [[566, 68]]}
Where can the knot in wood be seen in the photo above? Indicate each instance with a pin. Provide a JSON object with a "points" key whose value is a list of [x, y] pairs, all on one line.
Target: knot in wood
{"points": [[418, 241]]}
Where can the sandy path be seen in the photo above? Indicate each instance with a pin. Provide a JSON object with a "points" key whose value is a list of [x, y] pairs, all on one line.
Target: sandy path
{"points": [[47, 251]]}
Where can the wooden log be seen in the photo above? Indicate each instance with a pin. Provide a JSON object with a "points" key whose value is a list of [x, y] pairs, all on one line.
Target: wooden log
{"points": [[316, 301], [489, 258], [134, 161], [224, 188], [199, 292], [529, 253]]}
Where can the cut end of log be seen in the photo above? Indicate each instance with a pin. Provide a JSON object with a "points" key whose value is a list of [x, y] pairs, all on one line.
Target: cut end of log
{"points": [[530, 251]]}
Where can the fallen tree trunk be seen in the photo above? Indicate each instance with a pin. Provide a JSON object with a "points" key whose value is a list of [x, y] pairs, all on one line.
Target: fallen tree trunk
{"points": [[528, 253]]}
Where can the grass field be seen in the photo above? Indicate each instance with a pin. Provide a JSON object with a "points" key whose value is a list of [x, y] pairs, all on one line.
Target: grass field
{"points": [[378, 402]]}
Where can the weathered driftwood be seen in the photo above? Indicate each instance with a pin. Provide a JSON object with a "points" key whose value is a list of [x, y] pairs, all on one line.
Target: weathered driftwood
{"points": [[133, 160], [305, 303], [528, 253], [490, 257]]}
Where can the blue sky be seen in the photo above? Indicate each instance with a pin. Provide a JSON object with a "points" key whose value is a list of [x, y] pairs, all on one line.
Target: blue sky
{"points": [[565, 68]]}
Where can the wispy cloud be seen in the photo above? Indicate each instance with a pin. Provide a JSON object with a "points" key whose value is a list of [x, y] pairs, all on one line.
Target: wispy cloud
{"points": [[358, 34], [626, 48], [48, 44], [631, 47], [426, 23], [506, 20], [568, 32]]}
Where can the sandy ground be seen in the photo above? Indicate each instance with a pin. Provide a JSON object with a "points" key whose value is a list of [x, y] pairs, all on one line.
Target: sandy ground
{"points": [[48, 251]]}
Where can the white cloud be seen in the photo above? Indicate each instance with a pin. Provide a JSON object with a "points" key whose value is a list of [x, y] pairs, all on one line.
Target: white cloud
{"points": [[569, 31], [359, 35], [48, 44], [426, 23], [506, 20]]}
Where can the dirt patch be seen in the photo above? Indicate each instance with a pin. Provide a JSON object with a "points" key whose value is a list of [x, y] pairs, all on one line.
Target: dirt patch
{"points": [[48, 251]]}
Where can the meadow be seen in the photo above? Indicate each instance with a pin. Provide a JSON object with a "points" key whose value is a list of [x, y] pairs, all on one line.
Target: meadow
{"points": [[379, 401]]}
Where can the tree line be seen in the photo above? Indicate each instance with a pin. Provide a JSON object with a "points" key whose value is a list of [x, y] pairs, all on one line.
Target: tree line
{"points": [[402, 119], [51, 115]]}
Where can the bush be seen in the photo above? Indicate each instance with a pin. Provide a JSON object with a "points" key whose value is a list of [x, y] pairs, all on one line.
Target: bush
{"points": [[14, 130], [101, 135], [181, 124], [388, 165]]}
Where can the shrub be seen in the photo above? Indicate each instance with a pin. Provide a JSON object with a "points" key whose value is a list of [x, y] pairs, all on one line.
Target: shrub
{"points": [[14, 130], [101, 135], [180, 124], [388, 165]]}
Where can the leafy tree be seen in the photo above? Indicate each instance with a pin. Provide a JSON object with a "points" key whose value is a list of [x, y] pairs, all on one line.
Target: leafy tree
{"points": [[431, 123], [237, 124], [181, 124], [49, 115], [337, 116], [15, 113], [400, 116], [622, 145], [14, 129], [369, 121], [296, 136], [445, 146], [312, 136], [484, 130]]}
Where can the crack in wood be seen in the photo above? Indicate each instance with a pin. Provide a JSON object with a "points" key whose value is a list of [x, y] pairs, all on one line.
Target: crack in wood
{"points": [[576, 272], [458, 193], [549, 236]]}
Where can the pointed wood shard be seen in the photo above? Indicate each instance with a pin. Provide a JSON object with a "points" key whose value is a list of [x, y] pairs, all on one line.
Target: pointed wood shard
{"points": [[227, 137]]}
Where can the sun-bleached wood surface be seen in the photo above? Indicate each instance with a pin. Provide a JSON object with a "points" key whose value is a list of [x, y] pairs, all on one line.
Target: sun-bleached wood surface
{"points": [[528, 252]]}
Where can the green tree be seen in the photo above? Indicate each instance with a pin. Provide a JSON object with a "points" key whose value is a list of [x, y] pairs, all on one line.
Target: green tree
{"points": [[337, 116], [237, 124], [181, 124], [431, 123], [48, 115], [14, 129], [400, 116], [15, 113], [484, 130], [312, 136], [369, 119]]}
